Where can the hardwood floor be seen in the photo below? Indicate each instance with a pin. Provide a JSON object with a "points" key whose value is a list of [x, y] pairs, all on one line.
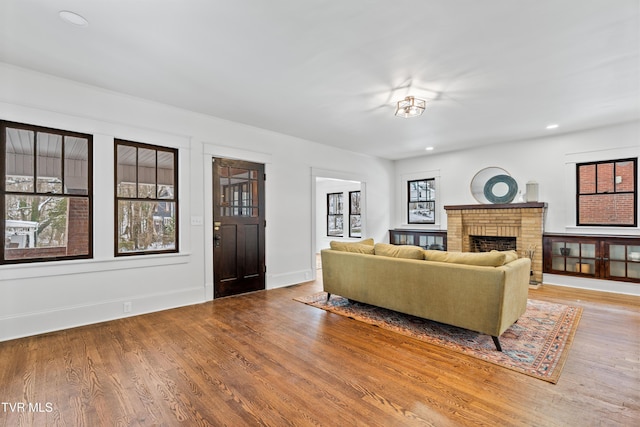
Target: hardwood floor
{"points": [[264, 359]]}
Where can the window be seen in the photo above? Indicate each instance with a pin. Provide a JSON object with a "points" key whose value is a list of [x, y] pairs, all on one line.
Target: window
{"points": [[422, 201], [335, 219], [355, 218], [607, 194], [46, 193], [146, 199]]}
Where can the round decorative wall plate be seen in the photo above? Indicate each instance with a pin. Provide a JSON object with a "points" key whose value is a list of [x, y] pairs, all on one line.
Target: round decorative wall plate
{"points": [[500, 189], [480, 180]]}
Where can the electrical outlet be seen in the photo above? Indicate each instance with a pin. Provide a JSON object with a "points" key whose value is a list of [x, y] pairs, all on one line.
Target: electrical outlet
{"points": [[126, 307]]}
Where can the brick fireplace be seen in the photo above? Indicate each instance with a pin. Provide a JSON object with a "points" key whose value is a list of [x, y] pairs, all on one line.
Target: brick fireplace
{"points": [[522, 221]]}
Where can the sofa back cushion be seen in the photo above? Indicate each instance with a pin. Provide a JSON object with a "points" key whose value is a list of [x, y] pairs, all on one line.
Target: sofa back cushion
{"points": [[487, 259], [509, 255], [399, 251], [361, 247]]}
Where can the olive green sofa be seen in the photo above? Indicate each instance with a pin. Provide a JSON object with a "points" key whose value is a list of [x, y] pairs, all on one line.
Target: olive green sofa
{"points": [[447, 287]]}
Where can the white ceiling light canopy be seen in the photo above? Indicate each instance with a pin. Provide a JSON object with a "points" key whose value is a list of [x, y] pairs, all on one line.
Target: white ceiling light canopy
{"points": [[410, 107], [73, 18]]}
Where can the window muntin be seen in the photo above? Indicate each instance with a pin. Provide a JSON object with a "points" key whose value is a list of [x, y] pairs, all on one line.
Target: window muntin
{"points": [[607, 194], [239, 192], [146, 199], [46, 194], [421, 201]]}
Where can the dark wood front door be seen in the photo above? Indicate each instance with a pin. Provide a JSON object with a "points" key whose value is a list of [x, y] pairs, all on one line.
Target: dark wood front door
{"points": [[238, 228]]}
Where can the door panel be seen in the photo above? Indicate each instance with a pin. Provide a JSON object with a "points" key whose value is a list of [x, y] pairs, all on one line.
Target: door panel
{"points": [[238, 213], [228, 250], [252, 249]]}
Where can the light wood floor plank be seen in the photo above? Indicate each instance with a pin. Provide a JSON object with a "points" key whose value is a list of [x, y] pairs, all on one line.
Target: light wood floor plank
{"points": [[264, 359]]}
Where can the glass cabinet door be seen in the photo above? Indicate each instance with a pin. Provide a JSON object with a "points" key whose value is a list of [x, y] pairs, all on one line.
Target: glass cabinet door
{"points": [[601, 257], [624, 261], [574, 257], [402, 238], [425, 239], [431, 242]]}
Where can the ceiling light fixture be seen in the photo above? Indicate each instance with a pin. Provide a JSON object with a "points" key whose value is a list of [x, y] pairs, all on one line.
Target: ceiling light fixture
{"points": [[552, 126], [429, 148], [410, 107], [73, 18]]}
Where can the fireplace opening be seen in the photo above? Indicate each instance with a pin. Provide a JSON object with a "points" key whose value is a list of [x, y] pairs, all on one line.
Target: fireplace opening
{"points": [[489, 243]]}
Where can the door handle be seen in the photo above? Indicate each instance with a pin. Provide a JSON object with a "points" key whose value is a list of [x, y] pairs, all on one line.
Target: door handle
{"points": [[216, 240]]}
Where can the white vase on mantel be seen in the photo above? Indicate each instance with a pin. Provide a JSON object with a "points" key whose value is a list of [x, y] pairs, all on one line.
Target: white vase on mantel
{"points": [[532, 192]]}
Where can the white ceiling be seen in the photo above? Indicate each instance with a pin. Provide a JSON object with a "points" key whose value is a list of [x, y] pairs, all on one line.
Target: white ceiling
{"points": [[330, 71]]}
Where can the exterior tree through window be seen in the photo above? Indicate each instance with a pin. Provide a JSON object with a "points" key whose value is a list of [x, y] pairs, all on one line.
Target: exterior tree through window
{"points": [[422, 201], [146, 199]]}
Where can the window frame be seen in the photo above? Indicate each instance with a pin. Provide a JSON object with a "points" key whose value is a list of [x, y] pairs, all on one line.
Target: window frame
{"points": [[634, 192], [355, 212], [428, 200], [335, 210], [117, 198], [4, 125]]}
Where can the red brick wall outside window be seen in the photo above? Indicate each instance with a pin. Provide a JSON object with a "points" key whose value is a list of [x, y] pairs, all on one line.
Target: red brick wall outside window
{"points": [[607, 193]]}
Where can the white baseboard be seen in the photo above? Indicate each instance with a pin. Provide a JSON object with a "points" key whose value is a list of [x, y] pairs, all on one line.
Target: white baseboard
{"points": [[290, 278], [69, 317], [613, 286], [28, 324]]}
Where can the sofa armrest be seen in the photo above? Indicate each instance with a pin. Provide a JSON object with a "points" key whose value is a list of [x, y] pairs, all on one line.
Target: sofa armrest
{"points": [[516, 291]]}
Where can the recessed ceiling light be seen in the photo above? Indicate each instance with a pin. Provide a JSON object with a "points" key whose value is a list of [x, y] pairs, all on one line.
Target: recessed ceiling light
{"points": [[552, 126], [429, 148], [73, 18]]}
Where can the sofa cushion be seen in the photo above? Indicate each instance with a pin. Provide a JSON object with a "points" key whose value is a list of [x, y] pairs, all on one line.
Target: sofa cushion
{"points": [[399, 251], [509, 255], [361, 247], [487, 259]]}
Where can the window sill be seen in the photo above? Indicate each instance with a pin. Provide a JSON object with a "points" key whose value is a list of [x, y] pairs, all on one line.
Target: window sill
{"points": [[85, 266], [602, 230]]}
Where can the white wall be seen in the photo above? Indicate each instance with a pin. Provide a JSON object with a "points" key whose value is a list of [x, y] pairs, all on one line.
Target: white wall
{"points": [[40, 297], [549, 161]]}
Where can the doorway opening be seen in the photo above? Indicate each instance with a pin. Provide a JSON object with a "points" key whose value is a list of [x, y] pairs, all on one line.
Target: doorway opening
{"points": [[339, 212]]}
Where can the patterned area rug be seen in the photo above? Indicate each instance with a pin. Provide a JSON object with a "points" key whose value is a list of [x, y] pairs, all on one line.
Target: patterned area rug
{"points": [[537, 345]]}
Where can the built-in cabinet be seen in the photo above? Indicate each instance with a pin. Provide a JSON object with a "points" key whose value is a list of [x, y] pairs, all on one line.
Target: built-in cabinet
{"points": [[425, 238], [599, 257]]}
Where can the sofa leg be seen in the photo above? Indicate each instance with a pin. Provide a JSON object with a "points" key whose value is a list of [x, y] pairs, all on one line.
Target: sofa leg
{"points": [[328, 296], [496, 341]]}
